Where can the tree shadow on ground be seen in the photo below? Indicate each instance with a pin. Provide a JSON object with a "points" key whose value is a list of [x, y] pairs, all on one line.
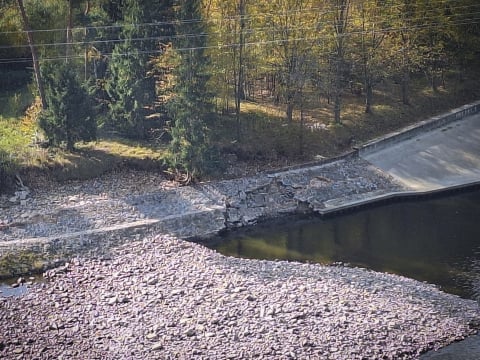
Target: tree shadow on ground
{"points": [[88, 163]]}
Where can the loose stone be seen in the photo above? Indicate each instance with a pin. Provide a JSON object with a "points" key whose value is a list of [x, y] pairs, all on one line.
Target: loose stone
{"points": [[157, 346], [337, 311], [161, 297]]}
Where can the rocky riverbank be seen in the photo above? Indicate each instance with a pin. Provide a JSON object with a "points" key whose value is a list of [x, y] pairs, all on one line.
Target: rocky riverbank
{"points": [[54, 209], [160, 297], [56, 221], [166, 298]]}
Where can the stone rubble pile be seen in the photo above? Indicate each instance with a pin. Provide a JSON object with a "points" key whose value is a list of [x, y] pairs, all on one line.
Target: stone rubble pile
{"points": [[299, 190], [20, 196], [164, 298]]}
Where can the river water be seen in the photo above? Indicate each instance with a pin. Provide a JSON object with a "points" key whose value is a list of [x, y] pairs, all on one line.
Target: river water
{"points": [[435, 240]]}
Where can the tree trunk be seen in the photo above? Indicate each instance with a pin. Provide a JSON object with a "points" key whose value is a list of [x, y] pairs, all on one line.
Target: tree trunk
{"points": [[302, 125], [406, 70], [337, 89], [86, 72], [368, 96], [289, 111], [337, 106], [70, 143], [405, 83], [239, 89], [340, 27], [69, 31], [434, 83], [31, 43], [85, 55]]}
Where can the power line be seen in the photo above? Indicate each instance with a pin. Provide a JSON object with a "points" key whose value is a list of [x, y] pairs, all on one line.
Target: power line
{"points": [[470, 18], [226, 18], [262, 30], [231, 45], [156, 23]]}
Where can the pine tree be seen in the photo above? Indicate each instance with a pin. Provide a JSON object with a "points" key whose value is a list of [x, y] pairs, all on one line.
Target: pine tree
{"points": [[69, 115], [130, 86], [192, 101]]}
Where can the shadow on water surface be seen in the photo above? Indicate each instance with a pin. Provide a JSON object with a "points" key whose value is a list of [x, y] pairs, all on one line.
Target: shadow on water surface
{"points": [[434, 240]]}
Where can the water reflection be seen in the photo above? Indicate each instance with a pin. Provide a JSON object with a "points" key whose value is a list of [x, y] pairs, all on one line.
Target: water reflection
{"points": [[7, 290], [435, 240], [18, 286], [468, 276]]}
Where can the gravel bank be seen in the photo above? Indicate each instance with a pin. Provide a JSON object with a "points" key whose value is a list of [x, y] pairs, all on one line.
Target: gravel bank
{"points": [[59, 208], [50, 221], [52, 209], [164, 298]]}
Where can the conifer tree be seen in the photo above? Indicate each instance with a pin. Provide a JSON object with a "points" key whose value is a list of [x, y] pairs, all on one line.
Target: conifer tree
{"points": [[69, 115], [192, 102], [130, 86]]}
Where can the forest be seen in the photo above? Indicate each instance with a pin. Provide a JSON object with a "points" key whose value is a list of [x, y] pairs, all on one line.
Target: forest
{"points": [[212, 83]]}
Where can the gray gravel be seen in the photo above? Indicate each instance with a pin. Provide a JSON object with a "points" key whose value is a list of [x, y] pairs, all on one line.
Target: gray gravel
{"points": [[167, 298], [52, 209], [114, 199], [162, 298]]}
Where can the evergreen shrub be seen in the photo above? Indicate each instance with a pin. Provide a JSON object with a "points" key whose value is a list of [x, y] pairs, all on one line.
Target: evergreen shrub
{"points": [[69, 117]]}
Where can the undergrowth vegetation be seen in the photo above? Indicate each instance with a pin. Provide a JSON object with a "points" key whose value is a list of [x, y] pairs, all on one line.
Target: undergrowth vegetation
{"points": [[202, 88], [267, 139]]}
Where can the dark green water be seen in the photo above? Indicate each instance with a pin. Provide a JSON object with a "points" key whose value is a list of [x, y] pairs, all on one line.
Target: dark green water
{"points": [[435, 240]]}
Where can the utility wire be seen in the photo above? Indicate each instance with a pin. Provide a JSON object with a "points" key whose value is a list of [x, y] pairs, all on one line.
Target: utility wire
{"points": [[228, 18], [262, 31], [231, 45]]}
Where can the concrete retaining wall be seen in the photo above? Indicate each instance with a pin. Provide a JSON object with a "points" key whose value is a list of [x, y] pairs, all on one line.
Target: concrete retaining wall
{"points": [[33, 254]]}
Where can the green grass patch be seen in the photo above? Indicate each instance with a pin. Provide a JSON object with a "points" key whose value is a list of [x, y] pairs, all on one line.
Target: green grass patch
{"points": [[127, 149], [21, 263], [14, 103], [17, 141], [16, 151], [14, 137], [95, 158], [19, 151]]}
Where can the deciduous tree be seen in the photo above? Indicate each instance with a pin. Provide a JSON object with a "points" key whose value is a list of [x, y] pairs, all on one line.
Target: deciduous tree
{"points": [[370, 32], [341, 13], [33, 49]]}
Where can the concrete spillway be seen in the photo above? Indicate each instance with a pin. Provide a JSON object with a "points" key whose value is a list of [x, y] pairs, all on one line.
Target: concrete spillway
{"points": [[438, 159]]}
